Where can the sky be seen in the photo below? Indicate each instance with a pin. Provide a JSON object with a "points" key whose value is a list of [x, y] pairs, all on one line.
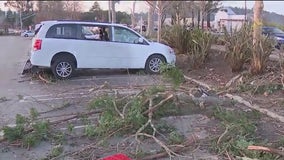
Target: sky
{"points": [[141, 6]]}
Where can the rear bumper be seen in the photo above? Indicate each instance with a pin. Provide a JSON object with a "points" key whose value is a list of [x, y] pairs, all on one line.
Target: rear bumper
{"points": [[38, 59]]}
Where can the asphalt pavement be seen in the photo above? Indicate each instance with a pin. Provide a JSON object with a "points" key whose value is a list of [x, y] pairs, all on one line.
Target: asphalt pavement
{"points": [[19, 93]]}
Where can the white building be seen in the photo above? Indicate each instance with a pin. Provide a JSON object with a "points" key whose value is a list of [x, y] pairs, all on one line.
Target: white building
{"points": [[227, 18]]}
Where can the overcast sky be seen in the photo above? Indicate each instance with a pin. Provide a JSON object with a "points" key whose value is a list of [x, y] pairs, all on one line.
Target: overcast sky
{"points": [[272, 6], [141, 6]]}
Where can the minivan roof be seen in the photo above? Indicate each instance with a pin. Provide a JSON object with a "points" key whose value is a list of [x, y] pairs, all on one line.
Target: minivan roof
{"points": [[81, 22]]}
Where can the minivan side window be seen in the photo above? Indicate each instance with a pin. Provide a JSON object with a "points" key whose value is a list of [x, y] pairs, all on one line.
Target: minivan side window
{"points": [[95, 32], [65, 31], [124, 35]]}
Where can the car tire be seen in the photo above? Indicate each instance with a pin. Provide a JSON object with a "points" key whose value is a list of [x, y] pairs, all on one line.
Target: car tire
{"points": [[63, 68], [153, 64], [25, 35]]}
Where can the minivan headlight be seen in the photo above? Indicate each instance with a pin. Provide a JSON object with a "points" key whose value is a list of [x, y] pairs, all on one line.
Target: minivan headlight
{"points": [[171, 51]]}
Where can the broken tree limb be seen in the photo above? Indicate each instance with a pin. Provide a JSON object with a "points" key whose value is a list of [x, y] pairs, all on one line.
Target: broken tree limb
{"points": [[198, 82], [43, 79], [233, 80], [159, 104], [267, 149], [176, 149], [255, 107], [74, 117], [2, 137]]}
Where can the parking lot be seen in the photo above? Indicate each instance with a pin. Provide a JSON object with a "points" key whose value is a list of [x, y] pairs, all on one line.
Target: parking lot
{"points": [[20, 92]]}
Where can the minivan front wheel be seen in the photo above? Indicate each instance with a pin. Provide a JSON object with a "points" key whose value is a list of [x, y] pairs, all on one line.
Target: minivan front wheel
{"points": [[63, 68], [153, 64]]}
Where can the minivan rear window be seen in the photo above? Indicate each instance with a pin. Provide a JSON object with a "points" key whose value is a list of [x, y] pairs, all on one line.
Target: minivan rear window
{"points": [[37, 30]]}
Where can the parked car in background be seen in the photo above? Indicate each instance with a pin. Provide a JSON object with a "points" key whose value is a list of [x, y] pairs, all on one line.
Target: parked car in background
{"points": [[65, 46], [28, 33], [276, 33]]}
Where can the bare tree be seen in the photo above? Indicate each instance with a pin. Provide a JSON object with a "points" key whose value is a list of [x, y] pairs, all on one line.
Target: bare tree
{"points": [[111, 11], [150, 18], [20, 6], [50, 10], [133, 20], [73, 9], [17, 4], [160, 8], [257, 65], [178, 11]]}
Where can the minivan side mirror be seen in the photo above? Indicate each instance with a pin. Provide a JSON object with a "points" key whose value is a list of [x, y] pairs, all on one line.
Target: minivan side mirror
{"points": [[140, 40]]}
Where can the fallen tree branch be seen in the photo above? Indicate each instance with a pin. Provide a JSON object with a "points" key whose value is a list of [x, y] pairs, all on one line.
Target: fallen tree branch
{"points": [[55, 122], [176, 149], [222, 135], [159, 104], [198, 82], [255, 107], [43, 79], [267, 149], [233, 80], [75, 116]]}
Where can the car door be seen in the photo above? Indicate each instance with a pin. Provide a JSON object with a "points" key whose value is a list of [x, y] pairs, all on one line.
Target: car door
{"points": [[126, 50], [92, 49]]}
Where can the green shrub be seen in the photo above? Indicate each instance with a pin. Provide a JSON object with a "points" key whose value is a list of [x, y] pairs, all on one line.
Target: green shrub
{"points": [[238, 46], [178, 38], [194, 43], [199, 47], [264, 49], [172, 73]]}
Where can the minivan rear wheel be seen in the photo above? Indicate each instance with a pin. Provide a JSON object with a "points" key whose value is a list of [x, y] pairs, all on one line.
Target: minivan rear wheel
{"points": [[153, 64], [63, 68]]}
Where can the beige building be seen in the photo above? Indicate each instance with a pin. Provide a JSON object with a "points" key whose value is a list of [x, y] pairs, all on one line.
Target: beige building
{"points": [[227, 18]]}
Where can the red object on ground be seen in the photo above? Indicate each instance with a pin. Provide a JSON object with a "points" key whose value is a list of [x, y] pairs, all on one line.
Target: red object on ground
{"points": [[118, 156]]}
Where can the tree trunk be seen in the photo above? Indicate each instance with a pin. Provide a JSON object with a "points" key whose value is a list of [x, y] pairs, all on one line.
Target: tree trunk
{"points": [[133, 22], [257, 65], [159, 3], [202, 20], [192, 17], [150, 26], [208, 21], [198, 18]]}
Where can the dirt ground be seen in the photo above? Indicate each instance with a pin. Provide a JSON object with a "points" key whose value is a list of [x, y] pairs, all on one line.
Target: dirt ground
{"points": [[216, 72]]}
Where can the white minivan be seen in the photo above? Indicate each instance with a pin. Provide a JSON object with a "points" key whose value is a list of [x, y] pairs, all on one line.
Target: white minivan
{"points": [[65, 46]]}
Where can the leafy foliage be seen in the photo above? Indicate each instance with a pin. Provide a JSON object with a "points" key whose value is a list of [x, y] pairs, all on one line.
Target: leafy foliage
{"points": [[238, 47], [172, 73], [263, 50], [28, 131], [195, 43], [175, 138], [127, 114]]}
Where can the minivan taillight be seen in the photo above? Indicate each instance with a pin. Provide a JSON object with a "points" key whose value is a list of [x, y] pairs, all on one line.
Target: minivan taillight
{"points": [[37, 44]]}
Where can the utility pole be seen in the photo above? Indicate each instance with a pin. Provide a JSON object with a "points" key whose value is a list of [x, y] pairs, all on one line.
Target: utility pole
{"points": [[113, 13], [109, 11]]}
